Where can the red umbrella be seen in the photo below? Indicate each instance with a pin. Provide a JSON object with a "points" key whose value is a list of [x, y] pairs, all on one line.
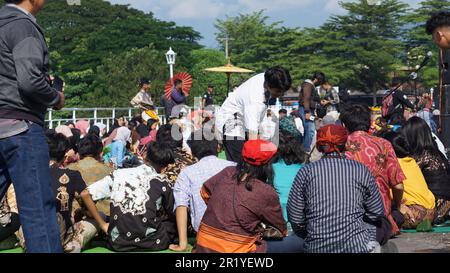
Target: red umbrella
{"points": [[186, 85]]}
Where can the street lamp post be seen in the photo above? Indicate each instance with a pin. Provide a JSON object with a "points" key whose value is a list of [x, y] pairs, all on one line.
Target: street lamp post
{"points": [[170, 57]]}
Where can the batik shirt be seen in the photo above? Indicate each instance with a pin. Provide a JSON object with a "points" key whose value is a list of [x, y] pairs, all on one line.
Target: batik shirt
{"points": [[66, 184], [142, 217], [5, 213], [379, 156], [182, 160]]}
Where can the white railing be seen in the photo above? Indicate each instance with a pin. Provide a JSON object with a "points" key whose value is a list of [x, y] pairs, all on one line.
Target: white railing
{"points": [[97, 115]]}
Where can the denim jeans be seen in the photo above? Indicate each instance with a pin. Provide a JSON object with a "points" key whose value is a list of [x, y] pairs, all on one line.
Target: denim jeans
{"points": [[24, 161], [310, 130]]}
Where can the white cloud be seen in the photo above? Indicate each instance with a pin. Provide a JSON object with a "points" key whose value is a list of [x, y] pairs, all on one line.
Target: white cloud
{"points": [[332, 6]]}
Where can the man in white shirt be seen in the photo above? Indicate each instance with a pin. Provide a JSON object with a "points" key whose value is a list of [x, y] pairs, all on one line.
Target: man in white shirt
{"points": [[246, 109], [143, 100]]}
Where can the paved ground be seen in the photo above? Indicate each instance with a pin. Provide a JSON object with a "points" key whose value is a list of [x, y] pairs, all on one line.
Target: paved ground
{"points": [[420, 243]]}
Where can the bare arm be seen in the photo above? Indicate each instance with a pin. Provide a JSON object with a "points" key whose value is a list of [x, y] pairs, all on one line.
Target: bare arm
{"points": [[92, 209], [397, 193], [181, 214]]}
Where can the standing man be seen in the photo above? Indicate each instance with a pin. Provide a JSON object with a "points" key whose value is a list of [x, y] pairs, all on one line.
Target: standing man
{"points": [[207, 99], [177, 97], [143, 99], [439, 26], [309, 101], [25, 94], [241, 115]]}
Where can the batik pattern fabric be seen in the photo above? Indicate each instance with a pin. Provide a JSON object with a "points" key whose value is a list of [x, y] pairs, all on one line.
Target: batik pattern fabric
{"points": [[379, 157], [182, 160], [67, 185], [142, 217], [435, 169], [5, 212], [419, 214]]}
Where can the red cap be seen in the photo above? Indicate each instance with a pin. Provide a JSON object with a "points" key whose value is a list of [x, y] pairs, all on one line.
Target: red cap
{"points": [[258, 152]]}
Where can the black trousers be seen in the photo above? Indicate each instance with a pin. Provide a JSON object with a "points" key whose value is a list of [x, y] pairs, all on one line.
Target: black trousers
{"points": [[233, 149], [12, 227], [384, 227]]}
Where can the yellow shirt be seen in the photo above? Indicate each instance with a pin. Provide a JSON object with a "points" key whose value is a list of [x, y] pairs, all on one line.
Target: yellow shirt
{"points": [[416, 188]]}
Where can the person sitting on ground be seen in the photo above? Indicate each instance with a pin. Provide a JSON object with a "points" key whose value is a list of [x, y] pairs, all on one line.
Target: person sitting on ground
{"points": [[190, 181], [435, 167], [67, 185], [175, 143], [418, 204], [288, 162], [142, 206], [9, 224], [334, 203], [91, 166], [94, 130], [379, 156], [146, 136], [240, 202], [83, 126], [119, 147], [102, 128]]}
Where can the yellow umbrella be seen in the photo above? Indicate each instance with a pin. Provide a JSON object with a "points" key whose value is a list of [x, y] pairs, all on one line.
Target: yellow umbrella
{"points": [[229, 69]]}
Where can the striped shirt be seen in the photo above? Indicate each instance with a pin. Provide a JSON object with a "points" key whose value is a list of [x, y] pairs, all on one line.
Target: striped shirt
{"points": [[329, 204]]}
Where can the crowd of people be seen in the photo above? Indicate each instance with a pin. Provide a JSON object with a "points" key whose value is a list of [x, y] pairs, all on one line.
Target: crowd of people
{"points": [[319, 179]]}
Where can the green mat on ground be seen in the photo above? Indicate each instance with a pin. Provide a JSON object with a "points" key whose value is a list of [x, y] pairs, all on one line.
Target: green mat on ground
{"points": [[443, 229], [91, 251], [222, 155], [99, 247]]}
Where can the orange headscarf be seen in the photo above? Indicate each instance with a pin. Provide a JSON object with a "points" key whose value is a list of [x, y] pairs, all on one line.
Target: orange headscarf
{"points": [[331, 137]]}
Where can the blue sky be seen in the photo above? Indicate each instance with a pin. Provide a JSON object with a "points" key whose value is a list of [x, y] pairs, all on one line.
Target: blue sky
{"points": [[202, 14]]}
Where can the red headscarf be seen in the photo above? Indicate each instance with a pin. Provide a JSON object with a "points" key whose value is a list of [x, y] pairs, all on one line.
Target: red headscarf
{"points": [[331, 137]]}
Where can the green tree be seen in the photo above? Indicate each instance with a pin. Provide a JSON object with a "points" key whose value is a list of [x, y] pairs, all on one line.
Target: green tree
{"points": [[367, 41], [207, 58], [117, 77], [418, 42]]}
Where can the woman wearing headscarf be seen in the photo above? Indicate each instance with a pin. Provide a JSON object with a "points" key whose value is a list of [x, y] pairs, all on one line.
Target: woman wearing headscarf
{"points": [[102, 128], [242, 204], [288, 162], [334, 203], [83, 126], [119, 146]]}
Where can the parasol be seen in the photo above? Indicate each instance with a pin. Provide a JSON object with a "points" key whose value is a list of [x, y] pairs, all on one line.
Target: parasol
{"points": [[229, 69], [186, 85]]}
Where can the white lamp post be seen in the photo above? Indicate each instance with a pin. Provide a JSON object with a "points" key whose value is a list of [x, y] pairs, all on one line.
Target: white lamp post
{"points": [[170, 57]]}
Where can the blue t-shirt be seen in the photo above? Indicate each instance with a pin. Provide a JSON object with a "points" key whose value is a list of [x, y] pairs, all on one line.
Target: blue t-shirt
{"points": [[284, 178]]}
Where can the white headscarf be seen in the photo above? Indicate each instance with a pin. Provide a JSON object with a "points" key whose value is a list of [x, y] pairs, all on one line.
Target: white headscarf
{"points": [[100, 126], [123, 135]]}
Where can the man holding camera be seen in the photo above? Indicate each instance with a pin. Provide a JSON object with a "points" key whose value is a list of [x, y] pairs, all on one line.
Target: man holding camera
{"points": [[26, 91]]}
